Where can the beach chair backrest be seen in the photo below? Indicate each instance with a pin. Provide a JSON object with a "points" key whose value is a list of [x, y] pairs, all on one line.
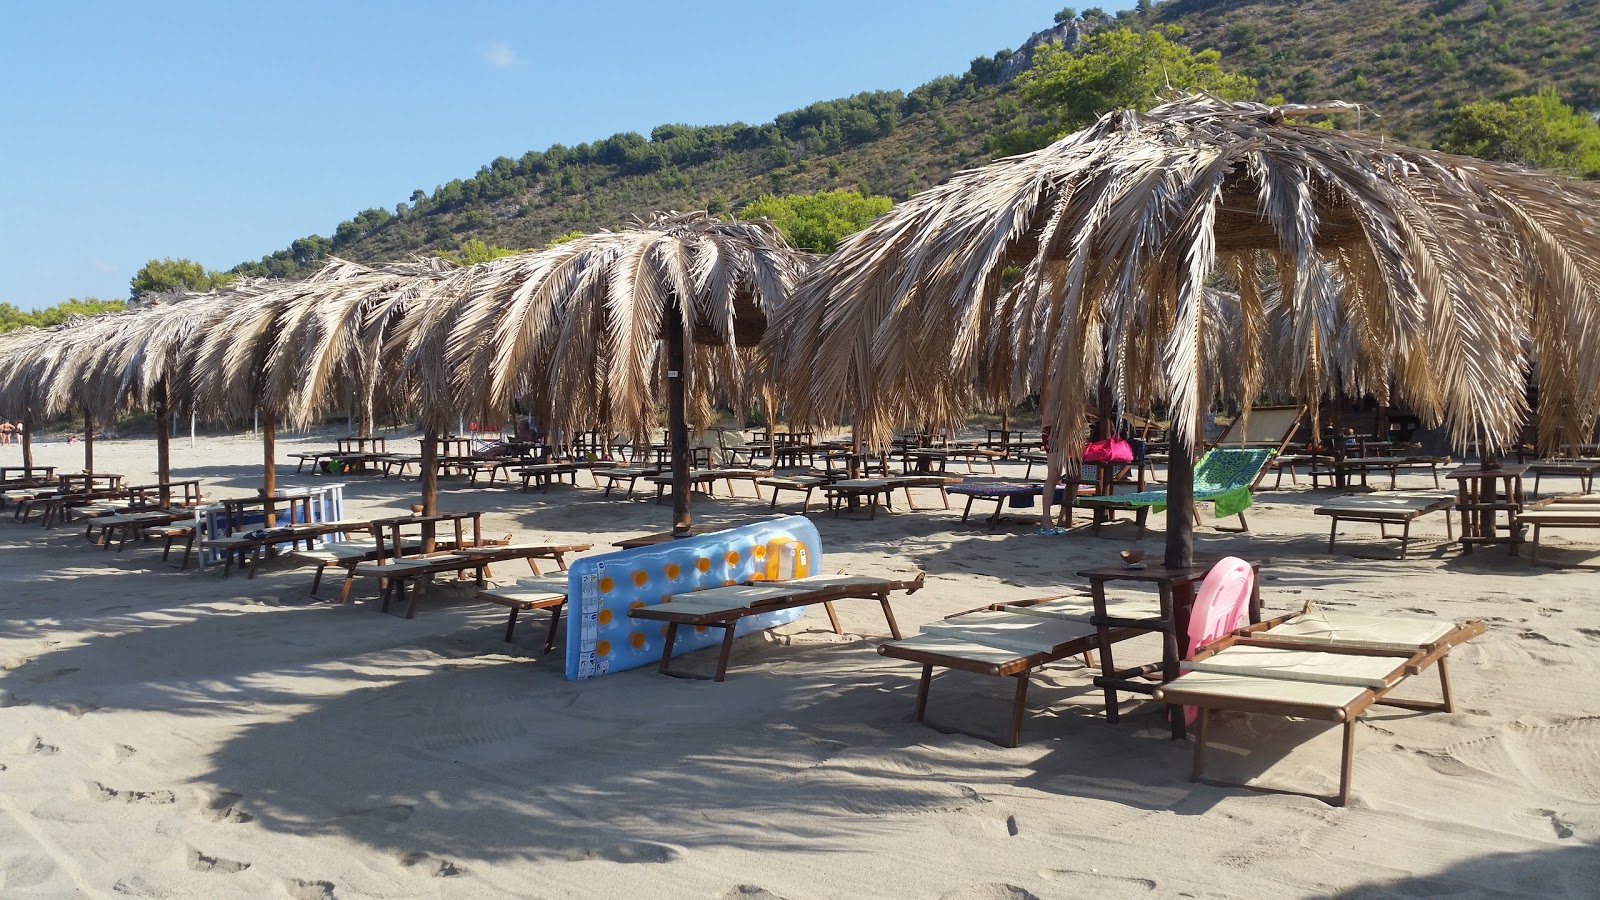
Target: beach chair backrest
{"points": [[1267, 426], [1223, 600]]}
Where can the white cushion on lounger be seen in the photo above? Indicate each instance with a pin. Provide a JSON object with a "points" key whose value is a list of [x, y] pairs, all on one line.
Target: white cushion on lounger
{"points": [[1267, 690], [1023, 634], [1075, 609], [1384, 632], [958, 648], [1300, 665], [532, 588]]}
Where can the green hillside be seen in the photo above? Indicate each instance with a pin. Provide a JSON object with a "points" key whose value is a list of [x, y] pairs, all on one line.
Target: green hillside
{"points": [[1413, 61]]}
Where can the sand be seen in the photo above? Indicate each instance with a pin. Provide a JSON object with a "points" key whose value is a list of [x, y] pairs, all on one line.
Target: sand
{"points": [[167, 734]]}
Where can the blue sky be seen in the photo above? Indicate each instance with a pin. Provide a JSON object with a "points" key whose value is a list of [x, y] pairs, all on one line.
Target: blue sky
{"points": [[221, 131]]}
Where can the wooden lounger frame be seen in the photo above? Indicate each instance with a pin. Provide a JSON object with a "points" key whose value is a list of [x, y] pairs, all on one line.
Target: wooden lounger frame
{"points": [[728, 619], [394, 575], [1383, 518], [1409, 661]]}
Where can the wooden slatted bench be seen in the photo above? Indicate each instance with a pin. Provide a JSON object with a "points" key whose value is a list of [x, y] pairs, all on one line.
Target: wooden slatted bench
{"points": [[708, 478]]}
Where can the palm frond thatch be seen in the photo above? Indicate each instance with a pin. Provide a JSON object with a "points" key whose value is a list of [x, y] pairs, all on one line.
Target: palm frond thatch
{"points": [[1455, 276]]}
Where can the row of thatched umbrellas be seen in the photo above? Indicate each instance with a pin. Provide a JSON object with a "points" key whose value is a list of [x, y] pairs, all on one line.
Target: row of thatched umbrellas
{"points": [[1093, 268]]}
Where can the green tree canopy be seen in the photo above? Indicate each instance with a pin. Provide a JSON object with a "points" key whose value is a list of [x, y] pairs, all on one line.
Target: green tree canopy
{"points": [[159, 276], [11, 317], [1122, 68], [475, 251], [817, 222], [1536, 130]]}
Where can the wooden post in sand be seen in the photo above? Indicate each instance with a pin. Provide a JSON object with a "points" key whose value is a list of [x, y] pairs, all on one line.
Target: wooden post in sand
{"points": [[269, 472], [88, 441], [430, 485], [163, 446], [677, 419], [27, 442]]}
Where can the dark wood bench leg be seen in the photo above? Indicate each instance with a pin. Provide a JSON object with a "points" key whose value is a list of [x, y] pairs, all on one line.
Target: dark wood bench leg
{"points": [[666, 648], [555, 626], [922, 691], [888, 615], [511, 623], [833, 617], [1333, 531], [1405, 538], [1018, 708], [727, 650], [1201, 722], [1347, 761]]}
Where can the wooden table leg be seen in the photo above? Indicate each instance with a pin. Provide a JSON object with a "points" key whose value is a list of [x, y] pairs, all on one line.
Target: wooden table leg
{"points": [[666, 649], [1108, 669], [1018, 708], [1175, 611], [888, 615], [922, 691], [727, 650], [1200, 744], [555, 625], [833, 617]]}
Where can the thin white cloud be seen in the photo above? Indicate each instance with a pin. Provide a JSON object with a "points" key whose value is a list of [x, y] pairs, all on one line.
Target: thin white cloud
{"points": [[108, 268], [501, 56]]}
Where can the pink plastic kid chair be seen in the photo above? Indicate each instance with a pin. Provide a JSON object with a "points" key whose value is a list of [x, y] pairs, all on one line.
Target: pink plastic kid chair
{"points": [[1221, 605]]}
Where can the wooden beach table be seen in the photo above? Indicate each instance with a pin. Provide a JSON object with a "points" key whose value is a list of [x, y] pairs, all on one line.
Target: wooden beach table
{"points": [[1385, 510], [544, 474], [1483, 492], [723, 607]]}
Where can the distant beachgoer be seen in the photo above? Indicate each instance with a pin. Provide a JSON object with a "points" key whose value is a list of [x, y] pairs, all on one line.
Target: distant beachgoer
{"points": [[7, 431]]}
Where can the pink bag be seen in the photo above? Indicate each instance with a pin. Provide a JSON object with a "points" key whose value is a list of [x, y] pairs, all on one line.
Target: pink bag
{"points": [[1110, 450]]}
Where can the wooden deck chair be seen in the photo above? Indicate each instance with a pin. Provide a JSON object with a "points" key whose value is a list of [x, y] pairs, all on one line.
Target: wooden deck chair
{"points": [[1224, 476]]}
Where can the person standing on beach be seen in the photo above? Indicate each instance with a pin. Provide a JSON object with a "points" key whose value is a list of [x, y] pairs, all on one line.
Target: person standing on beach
{"points": [[7, 431]]}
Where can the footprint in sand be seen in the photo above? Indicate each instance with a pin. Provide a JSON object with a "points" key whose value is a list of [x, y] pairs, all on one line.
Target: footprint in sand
{"points": [[1011, 826], [1093, 883], [152, 798], [433, 865], [1563, 828], [991, 891], [200, 862], [52, 676], [223, 806], [626, 852], [120, 752], [38, 747], [302, 889], [748, 892]]}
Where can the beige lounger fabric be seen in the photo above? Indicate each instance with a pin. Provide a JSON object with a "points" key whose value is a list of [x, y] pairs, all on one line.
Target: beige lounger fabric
{"points": [[1376, 632], [535, 588], [1008, 631], [1269, 690], [957, 648], [1299, 665]]}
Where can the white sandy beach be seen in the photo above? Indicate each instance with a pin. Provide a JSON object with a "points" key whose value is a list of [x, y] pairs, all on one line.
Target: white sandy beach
{"points": [[167, 734]]}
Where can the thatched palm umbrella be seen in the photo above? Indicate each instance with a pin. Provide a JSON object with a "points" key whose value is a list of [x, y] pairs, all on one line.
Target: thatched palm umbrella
{"points": [[583, 329], [224, 366], [23, 355], [1456, 274]]}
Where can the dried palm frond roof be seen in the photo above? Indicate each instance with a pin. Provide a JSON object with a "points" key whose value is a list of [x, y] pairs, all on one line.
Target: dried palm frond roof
{"points": [[576, 329], [1457, 273]]}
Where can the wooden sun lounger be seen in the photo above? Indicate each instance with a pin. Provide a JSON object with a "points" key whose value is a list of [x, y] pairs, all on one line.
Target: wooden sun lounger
{"points": [[709, 478], [1582, 469], [543, 474], [526, 594], [1316, 665], [723, 607], [1386, 510], [998, 642], [803, 484], [840, 493], [347, 553], [630, 474], [253, 545], [1557, 515], [119, 527], [170, 534], [394, 574]]}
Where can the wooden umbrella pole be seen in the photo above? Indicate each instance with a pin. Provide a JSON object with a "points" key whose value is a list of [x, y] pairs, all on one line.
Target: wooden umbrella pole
{"points": [[677, 424], [163, 446], [1180, 502], [269, 469], [430, 485], [88, 442], [27, 442]]}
